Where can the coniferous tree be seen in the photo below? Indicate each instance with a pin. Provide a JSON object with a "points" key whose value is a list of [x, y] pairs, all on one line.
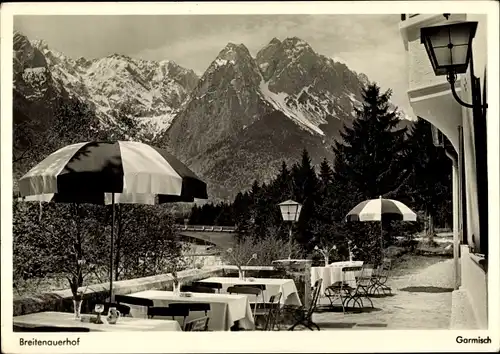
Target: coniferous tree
{"points": [[325, 174], [369, 161]]}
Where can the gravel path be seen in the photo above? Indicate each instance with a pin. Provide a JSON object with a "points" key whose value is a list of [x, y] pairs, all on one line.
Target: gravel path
{"points": [[417, 309]]}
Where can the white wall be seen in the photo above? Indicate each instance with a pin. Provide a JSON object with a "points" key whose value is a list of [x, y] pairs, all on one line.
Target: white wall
{"points": [[475, 283]]}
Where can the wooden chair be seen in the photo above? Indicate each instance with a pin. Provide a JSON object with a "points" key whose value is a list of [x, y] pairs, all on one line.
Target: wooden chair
{"points": [[173, 312], [197, 325], [303, 314], [211, 285], [246, 291], [197, 289], [49, 329]]}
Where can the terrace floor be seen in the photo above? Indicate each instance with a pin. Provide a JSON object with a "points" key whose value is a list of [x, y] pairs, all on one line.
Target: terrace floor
{"points": [[421, 300]]}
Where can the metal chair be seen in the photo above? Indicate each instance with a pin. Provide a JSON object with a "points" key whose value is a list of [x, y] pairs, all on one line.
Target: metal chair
{"points": [[342, 289], [132, 300], [246, 290], [380, 277], [192, 306], [197, 289], [261, 287], [271, 310], [175, 311], [212, 285], [361, 290], [197, 325], [303, 315]]}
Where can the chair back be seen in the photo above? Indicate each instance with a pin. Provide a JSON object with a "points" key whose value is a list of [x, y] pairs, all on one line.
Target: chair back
{"points": [[132, 300], [365, 277], [256, 286], [348, 280], [170, 311], [197, 289], [49, 329], [274, 303], [387, 264], [244, 290], [212, 285], [197, 325], [315, 297], [191, 306]]}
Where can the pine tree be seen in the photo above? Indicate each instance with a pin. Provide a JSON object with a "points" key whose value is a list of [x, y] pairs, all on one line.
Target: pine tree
{"points": [[325, 174], [369, 160], [305, 191]]}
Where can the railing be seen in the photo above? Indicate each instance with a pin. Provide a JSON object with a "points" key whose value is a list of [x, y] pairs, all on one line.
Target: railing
{"points": [[203, 228]]}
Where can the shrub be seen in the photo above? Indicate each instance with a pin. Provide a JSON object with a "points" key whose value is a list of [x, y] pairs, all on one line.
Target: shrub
{"points": [[71, 242], [267, 249]]}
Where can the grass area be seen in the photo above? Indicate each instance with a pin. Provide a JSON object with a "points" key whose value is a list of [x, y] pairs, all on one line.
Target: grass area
{"points": [[409, 263]]}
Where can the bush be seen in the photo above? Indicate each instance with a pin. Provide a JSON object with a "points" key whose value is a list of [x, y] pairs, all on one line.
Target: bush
{"points": [[72, 242], [267, 249]]}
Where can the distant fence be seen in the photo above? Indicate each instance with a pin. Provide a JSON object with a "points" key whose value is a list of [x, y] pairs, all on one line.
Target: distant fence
{"points": [[205, 228]]}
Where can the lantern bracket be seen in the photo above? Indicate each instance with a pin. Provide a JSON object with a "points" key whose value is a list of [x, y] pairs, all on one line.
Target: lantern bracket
{"points": [[452, 78]]}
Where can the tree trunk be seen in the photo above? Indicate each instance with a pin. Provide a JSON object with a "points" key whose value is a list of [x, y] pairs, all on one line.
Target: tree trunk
{"points": [[430, 228]]}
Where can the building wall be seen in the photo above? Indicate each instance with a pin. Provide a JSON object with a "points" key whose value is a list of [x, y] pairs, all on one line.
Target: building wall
{"points": [[480, 60], [475, 283], [430, 97]]}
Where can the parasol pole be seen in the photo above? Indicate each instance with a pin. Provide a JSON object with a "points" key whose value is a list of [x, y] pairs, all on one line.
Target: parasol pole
{"points": [[111, 299], [381, 240], [381, 233]]}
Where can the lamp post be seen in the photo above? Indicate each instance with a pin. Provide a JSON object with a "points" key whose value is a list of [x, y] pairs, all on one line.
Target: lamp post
{"points": [[290, 211], [449, 48]]}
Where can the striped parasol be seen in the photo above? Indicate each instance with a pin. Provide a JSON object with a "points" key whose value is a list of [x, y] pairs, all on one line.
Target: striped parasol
{"points": [[381, 210], [93, 172], [109, 173], [378, 209]]}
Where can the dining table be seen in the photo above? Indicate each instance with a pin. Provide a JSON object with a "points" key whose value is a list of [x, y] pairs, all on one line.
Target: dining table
{"points": [[274, 286], [66, 319], [332, 273], [226, 310]]}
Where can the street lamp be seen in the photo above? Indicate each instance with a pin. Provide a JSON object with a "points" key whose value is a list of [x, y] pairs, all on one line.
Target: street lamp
{"points": [[449, 48], [290, 211]]}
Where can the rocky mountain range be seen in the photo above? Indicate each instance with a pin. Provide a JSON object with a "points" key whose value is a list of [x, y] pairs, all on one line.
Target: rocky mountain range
{"points": [[234, 124]]}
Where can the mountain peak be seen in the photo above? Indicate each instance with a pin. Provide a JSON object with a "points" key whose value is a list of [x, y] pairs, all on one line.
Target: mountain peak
{"points": [[275, 41], [118, 56], [239, 49], [296, 42], [40, 44]]}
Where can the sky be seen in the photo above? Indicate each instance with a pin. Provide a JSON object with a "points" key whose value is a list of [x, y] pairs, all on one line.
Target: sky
{"points": [[370, 44]]}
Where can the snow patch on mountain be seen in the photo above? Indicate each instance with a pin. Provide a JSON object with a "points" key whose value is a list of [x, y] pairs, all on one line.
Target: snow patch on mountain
{"points": [[155, 125], [278, 101]]}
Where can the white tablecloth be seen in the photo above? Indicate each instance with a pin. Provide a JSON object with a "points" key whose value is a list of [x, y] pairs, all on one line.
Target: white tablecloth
{"points": [[64, 319], [333, 274], [347, 264], [273, 286], [225, 309]]}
